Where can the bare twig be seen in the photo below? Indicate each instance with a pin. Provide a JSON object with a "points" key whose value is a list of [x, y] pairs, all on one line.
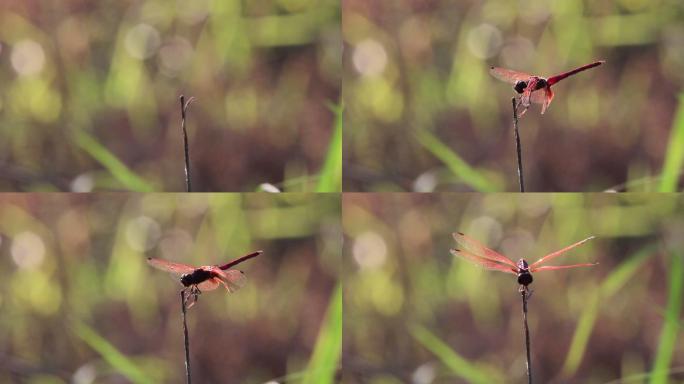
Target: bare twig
{"points": [[524, 293], [188, 380], [517, 145], [184, 107]]}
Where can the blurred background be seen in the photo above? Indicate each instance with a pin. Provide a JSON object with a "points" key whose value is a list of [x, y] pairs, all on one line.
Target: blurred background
{"points": [[80, 304], [424, 114], [90, 94], [416, 314]]}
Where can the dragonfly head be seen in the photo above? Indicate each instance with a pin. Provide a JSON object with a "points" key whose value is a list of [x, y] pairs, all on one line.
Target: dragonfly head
{"points": [[186, 279]]}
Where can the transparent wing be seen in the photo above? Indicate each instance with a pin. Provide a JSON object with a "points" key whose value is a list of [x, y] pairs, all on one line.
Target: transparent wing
{"points": [[508, 75], [555, 267], [550, 256], [480, 249], [529, 91], [232, 279], [169, 266], [538, 97], [542, 97], [486, 263], [209, 284]]}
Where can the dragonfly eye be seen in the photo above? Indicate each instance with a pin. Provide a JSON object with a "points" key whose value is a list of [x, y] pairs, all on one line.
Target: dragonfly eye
{"points": [[520, 86], [185, 279]]}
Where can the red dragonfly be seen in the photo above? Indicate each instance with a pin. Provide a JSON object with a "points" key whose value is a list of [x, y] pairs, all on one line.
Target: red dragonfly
{"points": [[534, 88], [205, 278], [489, 259]]}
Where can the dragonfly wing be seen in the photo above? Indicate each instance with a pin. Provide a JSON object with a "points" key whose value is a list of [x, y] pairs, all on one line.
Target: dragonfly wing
{"points": [[555, 267], [508, 75], [232, 279], [542, 97], [529, 91], [209, 284], [480, 249], [553, 255], [483, 262], [169, 266]]}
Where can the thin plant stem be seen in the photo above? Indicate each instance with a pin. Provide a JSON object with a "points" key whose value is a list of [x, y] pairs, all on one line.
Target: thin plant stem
{"points": [[518, 146], [188, 379], [525, 296], [188, 178]]}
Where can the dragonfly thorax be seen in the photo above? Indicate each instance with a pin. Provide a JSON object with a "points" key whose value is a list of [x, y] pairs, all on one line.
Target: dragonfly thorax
{"points": [[539, 83], [197, 276]]}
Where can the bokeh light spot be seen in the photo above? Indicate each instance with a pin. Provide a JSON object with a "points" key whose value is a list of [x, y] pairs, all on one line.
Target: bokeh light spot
{"points": [[518, 53], [370, 250], [370, 58], [484, 41], [425, 374], [28, 250], [28, 58], [142, 41], [175, 55], [83, 183], [142, 233], [176, 244]]}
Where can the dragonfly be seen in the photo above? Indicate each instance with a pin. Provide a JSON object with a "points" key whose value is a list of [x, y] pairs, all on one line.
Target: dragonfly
{"points": [[535, 89], [205, 278], [489, 259]]}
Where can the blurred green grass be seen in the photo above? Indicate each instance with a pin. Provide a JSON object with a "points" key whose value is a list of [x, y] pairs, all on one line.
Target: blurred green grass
{"points": [[76, 262], [423, 71], [400, 278], [457, 364], [674, 158], [325, 359], [120, 362], [262, 74], [330, 177], [669, 333]]}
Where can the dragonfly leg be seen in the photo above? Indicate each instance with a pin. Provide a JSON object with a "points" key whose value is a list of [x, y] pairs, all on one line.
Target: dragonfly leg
{"points": [[192, 296], [524, 289], [520, 106]]}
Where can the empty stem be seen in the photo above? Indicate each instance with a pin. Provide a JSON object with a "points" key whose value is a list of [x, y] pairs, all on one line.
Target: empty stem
{"points": [[523, 293], [188, 380], [188, 179], [517, 145]]}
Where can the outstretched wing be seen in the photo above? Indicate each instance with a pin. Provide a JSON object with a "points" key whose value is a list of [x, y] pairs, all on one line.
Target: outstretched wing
{"points": [[480, 249], [232, 279], [483, 262], [535, 266], [208, 284], [169, 266], [555, 267], [542, 96], [508, 75]]}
